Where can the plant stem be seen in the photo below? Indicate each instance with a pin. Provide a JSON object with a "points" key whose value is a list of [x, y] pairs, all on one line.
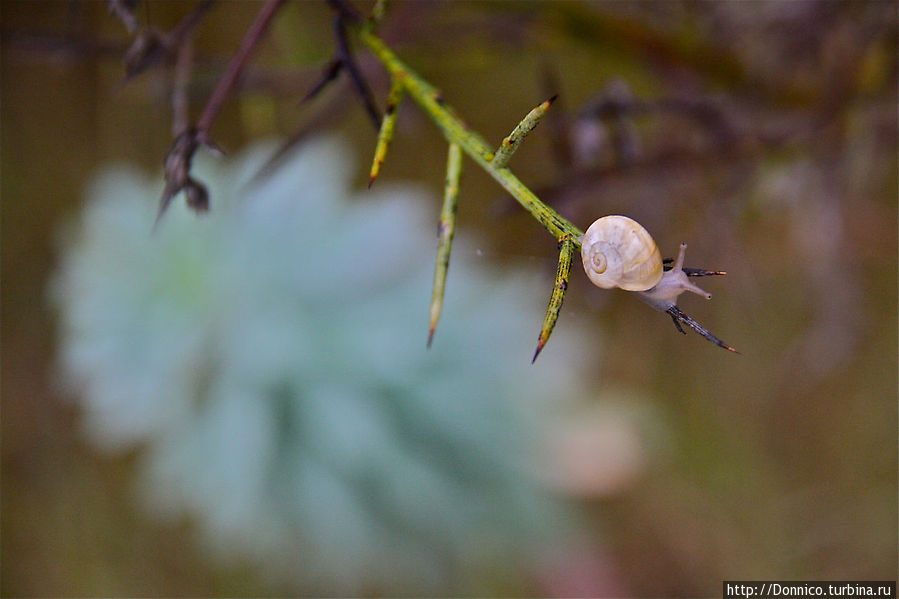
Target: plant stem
{"points": [[566, 252], [235, 68], [445, 231], [457, 132]]}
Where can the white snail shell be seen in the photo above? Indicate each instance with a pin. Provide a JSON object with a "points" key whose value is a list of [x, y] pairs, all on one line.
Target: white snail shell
{"points": [[618, 252]]}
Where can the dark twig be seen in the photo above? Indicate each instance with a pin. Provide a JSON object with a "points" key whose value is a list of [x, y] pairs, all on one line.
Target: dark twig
{"points": [[177, 175], [327, 115], [229, 79], [188, 23], [345, 10], [346, 57], [123, 10], [328, 75], [151, 46], [180, 84], [180, 155]]}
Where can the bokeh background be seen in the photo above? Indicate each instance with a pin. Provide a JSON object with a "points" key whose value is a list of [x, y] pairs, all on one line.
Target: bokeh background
{"points": [[628, 461]]}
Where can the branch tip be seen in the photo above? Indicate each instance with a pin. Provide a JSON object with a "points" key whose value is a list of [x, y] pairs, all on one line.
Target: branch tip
{"points": [[540, 343], [566, 252], [510, 144]]}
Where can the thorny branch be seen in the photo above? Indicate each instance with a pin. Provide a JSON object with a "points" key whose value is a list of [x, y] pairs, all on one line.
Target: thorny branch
{"points": [[460, 137], [404, 81], [229, 79], [150, 45], [180, 155]]}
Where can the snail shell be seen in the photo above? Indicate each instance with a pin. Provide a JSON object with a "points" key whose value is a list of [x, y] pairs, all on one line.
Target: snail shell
{"points": [[618, 252]]}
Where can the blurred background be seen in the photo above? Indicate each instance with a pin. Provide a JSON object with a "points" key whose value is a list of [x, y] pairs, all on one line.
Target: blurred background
{"points": [[242, 404]]}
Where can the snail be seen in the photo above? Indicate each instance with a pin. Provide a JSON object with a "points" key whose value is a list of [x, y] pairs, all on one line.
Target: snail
{"points": [[618, 252]]}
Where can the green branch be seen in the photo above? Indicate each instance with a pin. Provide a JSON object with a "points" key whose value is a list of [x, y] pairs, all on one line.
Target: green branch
{"points": [[404, 81], [462, 139], [456, 131]]}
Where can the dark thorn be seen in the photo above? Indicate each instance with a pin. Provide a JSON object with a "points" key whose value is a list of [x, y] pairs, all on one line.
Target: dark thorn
{"points": [[553, 99], [345, 10], [168, 195], [151, 46], [346, 57], [330, 72], [213, 147], [197, 196], [371, 181], [540, 344], [430, 337], [148, 48], [123, 10], [177, 175]]}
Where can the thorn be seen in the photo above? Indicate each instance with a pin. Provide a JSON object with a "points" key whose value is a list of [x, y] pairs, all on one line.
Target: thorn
{"points": [[431, 335], [385, 131], [540, 343], [216, 150], [508, 146], [346, 56], [552, 99], [329, 73]]}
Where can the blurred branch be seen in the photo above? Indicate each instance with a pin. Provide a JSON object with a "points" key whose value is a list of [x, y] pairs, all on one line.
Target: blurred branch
{"points": [[151, 46], [229, 79], [189, 139], [123, 10], [181, 81]]}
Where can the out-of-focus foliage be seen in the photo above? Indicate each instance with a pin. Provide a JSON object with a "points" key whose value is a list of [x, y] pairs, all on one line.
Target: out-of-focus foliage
{"points": [[269, 360]]}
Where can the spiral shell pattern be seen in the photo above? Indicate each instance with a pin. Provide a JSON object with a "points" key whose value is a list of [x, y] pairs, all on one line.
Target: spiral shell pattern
{"points": [[618, 252]]}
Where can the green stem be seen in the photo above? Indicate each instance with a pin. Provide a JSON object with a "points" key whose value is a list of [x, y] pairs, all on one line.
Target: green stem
{"points": [[456, 131], [445, 232], [566, 252], [385, 135], [510, 144]]}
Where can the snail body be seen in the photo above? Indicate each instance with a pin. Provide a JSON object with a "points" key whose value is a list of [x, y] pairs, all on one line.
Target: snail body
{"points": [[618, 252]]}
